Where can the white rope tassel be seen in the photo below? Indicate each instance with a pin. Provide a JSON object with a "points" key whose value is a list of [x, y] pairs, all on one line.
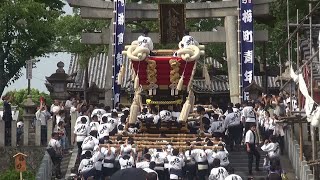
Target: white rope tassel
{"points": [[206, 75], [180, 83], [136, 82]]}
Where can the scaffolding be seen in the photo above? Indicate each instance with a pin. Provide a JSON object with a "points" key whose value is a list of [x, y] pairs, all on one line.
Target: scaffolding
{"points": [[309, 59]]}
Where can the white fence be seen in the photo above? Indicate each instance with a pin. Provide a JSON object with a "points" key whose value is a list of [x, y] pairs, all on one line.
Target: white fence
{"points": [[301, 169]]}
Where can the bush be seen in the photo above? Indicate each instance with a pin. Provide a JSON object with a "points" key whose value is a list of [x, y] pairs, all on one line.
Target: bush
{"points": [[12, 174]]}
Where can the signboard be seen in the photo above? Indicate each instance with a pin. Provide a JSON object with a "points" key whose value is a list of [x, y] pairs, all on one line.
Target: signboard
{"points": [[29, 69], [119, 29], [20, 162], [247, 45], [172, 22]]}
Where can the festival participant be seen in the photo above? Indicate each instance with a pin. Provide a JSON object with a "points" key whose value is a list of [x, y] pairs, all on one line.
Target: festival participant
{"points": [[211, 154], [261, 114], [218, 172], [190, 164], [121, 126], [98, 156], [271, 124], [113, 123], [86, 167], [99, 111], [250, 140], [176, 163], [94, 124], [150, 169], [233, 123], [248, 115], [279, 133], [233, 177], [217, 129], [109, 154], [223, 154], [272, 148], [55, 152], [80, 133], [90, 142], [78, 121], [200, 157], [145, 163], [103, 128], [158, 156], [60, 128], [126, 161]]}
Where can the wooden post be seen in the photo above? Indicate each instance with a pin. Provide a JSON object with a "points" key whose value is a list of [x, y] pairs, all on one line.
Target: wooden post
{"points": [[20, 163], [13, 133]]}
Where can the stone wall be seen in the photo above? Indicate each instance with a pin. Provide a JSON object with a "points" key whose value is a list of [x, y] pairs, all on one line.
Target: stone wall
{"points": [[35, 155]]}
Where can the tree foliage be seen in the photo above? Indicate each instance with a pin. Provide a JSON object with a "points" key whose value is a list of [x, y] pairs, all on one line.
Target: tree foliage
{"points": [[26, 30], [18, 97], [69, 29], [277, 28]]}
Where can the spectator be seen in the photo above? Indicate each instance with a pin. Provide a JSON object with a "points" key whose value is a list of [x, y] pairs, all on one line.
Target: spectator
{"points": [[54, 150], [7, 117], [43, 115]]}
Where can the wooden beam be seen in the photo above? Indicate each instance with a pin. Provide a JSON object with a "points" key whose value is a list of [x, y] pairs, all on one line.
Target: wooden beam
{"points": [[201, 37], [96, 9]]}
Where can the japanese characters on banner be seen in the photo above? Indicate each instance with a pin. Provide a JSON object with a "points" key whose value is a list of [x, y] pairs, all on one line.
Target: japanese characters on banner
{"points": [[247, 45], [119, 28]]}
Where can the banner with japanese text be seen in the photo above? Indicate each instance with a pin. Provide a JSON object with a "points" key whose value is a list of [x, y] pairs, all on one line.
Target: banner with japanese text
{"points": [[247, 45], [119, 29]]}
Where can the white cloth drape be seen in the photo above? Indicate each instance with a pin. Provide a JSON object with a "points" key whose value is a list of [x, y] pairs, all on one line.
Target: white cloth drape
{"points": [[314, 116]]}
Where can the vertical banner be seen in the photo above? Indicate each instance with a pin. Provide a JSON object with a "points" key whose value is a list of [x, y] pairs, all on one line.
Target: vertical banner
{"points": [[172, 22], [119, 28], [247, 45]]}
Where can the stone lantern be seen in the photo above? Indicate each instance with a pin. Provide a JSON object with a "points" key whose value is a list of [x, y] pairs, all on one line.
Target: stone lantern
{"points": [[28, 115], [93, 94], [57, 83], [254, 90]]}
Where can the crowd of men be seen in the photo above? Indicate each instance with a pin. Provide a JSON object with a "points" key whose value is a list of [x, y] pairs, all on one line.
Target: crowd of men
{"points": [[239, 127]]}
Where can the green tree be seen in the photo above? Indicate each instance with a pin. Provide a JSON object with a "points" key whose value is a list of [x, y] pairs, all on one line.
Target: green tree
{"points": [[18, 97], [69, 29], [26, 30]]}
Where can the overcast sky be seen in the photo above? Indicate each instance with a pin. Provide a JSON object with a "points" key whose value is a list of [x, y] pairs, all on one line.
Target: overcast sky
{"points": [[45, 67]]}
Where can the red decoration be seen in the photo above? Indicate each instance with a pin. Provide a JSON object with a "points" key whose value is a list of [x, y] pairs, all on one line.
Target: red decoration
{"points": [[163, 70]]}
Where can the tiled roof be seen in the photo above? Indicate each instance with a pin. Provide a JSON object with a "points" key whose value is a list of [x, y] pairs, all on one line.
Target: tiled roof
{"points": [[213, 62], [220, 84], [97, 71]]}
